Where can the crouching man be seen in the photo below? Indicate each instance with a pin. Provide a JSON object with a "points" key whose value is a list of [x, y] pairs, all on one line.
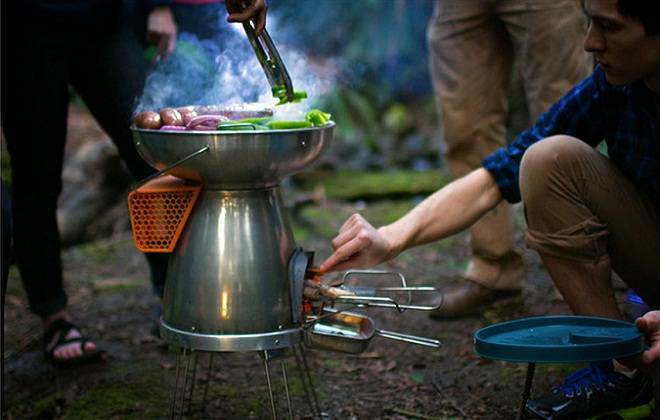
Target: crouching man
{"points": [[587, 214]]}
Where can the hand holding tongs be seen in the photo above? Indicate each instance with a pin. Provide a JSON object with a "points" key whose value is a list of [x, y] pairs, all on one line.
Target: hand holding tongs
{"points": [[362, 296], [270, 60]]}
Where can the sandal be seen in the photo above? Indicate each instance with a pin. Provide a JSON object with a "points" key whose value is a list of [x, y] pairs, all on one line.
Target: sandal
{"points": [[63, 327]]}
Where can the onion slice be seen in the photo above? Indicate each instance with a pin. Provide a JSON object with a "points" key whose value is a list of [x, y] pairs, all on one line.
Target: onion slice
{"points": [[206, 122]]}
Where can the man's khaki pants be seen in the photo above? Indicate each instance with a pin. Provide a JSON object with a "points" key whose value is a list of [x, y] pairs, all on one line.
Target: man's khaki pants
{"points": [[580, 207], [473, 44]]}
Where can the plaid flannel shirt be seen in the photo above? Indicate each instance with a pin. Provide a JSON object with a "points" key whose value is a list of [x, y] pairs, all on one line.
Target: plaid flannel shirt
{"points": [[624, 117]]}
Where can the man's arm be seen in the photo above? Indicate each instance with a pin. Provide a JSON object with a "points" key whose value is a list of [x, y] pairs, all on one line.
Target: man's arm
{"points": [[447, 211]]}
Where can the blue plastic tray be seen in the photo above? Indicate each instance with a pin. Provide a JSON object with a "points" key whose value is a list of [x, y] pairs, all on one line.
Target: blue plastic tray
{"points": [[558, 339]]}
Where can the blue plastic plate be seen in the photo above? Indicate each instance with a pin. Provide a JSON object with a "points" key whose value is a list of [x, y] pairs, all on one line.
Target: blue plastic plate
{"points": [[558, 339]]}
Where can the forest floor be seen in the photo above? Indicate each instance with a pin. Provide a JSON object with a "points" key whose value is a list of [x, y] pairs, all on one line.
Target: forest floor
{"points": [[111, 299]]}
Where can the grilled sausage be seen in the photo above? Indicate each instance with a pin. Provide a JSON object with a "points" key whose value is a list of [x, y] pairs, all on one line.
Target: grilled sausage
{"points": [[187, 115], [148, 119], [171, 116]]}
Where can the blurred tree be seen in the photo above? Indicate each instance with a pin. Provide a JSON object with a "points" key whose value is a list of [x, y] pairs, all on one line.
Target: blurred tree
{"points": [[382, 42]]}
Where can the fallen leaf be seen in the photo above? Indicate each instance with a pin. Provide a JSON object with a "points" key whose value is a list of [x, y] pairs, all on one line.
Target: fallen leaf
{"points": [[105, 284], [369, 355], [167, 365]]}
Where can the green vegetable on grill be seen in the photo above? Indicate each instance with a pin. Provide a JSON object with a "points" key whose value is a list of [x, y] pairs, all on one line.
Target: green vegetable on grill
{"points": [[318, 117], [285, 125], [240, 126], [314, 118], [256, 120]]}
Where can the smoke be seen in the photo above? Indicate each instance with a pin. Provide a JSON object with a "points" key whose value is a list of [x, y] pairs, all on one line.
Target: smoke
{"points": [[223, 70]]}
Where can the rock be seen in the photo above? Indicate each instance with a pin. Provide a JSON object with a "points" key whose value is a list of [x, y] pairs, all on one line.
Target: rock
{"points": [[95, 185]]}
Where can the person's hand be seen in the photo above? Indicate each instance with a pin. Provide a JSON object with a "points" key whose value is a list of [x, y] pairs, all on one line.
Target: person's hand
{"points": [[649, 361], [358, 245], [649, 324], [244, 10], [161, 31]]}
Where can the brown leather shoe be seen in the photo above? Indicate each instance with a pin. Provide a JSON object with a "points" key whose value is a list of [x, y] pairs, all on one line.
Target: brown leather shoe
{"points": [[470, 298]]}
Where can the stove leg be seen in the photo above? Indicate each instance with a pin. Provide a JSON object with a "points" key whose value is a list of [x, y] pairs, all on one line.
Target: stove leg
{"points": [[187, 358], [176, 385], [192, 383], [208, 381], [306, 379], [286, 390], [270, 387]]}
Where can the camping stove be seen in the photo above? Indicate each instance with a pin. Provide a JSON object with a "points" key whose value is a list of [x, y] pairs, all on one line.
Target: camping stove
{"points": [[236, 278], [228, 282]]}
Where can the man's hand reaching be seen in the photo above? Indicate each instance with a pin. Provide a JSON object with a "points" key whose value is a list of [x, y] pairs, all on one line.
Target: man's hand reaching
{"points": [[358, 245]]}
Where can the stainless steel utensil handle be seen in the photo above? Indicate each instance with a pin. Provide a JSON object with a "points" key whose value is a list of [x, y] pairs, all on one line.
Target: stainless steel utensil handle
{"points": [[412, 339], [170, 167], [270, 59]]}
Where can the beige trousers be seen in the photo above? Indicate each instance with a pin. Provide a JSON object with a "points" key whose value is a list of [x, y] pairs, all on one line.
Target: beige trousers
{"points": [[473, 44], [580, 207]]}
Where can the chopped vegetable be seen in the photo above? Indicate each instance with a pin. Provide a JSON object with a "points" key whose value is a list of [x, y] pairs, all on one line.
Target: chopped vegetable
{"points": [[256, 121], [317, 117], [284, 125], [240, 126]]}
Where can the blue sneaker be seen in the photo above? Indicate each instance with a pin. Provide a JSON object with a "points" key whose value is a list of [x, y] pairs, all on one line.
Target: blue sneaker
{"points": [[635, 306], [597, 392]]}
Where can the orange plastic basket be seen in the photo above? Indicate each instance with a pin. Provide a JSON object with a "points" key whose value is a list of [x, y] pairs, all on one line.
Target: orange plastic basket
{"points": [[159, 210]]}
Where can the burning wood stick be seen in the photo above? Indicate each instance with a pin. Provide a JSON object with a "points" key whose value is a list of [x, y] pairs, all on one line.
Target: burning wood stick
{"points": [[313, 290]]}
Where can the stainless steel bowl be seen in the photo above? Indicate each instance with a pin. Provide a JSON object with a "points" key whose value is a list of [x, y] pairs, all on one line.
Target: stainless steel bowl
{"points": [[235, 159]]}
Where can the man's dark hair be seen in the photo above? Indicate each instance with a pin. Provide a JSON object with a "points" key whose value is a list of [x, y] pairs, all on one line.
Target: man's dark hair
{"points": [[646, 11]]}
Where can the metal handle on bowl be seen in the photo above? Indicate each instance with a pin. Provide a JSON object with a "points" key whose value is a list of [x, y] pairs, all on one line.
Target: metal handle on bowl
{"points": [[170, 167], [407, 338]]}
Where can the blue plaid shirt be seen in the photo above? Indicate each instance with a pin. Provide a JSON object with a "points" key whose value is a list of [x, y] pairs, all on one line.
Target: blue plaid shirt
{"points": [[593, 111]]}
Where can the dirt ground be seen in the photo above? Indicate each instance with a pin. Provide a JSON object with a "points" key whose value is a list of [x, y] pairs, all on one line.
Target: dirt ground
{"points": [[111, 299]]}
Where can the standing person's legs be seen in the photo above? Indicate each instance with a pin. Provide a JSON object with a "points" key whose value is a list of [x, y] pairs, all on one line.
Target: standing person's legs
{"points": [[34, 112], [109, 75], [470, 55], [551, 56]]}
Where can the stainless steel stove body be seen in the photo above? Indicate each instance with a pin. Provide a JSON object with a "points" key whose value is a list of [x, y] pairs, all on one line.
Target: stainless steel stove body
{"points": [[229, 282]]}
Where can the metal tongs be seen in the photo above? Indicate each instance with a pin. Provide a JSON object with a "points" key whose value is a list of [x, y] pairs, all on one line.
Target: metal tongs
{"points": [[364, 296], [270, 60]]}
